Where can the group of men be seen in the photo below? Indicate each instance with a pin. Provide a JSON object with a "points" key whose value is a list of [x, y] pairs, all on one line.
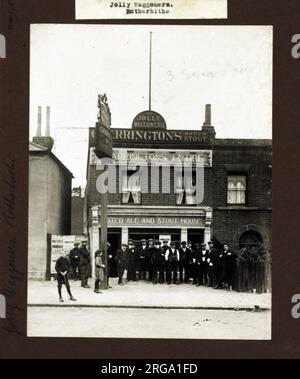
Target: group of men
{"points": [[155, 262], [160, 262]]}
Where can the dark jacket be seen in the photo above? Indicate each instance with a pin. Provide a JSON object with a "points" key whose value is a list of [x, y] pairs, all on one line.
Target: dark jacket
{"points": [[185, 255], [212, 256], [74, 253], [132, 253], [204, 256], [197, 256], [230, 262], [156, 257], [122, 257], [142, 252], [62, 265], [84, 257]]}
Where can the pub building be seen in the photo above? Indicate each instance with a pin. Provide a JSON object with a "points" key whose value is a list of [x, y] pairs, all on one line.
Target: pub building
{"points": [[236, 207]]}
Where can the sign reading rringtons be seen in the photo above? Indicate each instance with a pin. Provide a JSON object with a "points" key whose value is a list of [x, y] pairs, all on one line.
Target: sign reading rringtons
{"points": [[180, 136]]}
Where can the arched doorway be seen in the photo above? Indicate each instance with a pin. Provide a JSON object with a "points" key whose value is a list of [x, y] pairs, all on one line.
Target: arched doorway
{"points": [[251, 245], [250, 239]]}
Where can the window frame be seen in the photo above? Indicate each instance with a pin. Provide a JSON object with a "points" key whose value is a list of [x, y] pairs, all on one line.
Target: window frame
{"points": [[237, 173], [128, 172]]}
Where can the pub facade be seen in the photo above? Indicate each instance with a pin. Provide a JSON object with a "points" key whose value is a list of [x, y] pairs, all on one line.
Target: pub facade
{"points": [[235, 206]]}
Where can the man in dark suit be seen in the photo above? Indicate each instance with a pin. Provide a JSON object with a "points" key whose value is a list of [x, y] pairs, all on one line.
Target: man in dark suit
{"points": [[109, 262], [142, 253], [156, 260], [74, 260], [195, 260], [212, 256], [149, 267], [204, 265], [185, 256], [220, 269], [121, 259], [84, 264], [230, 265], [197, 263], [131, 273]]}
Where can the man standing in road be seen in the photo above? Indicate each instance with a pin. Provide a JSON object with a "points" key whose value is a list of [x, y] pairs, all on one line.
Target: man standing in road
{"points": [[142, 258], [149, 266], [131, 273], [212, 256], [121, 258], [204, 278], [109, 262], [62, 267], [156, 261], [74, 259], [172, 259], [184, 263], [84, 264], [164, 248], [230, 266]]}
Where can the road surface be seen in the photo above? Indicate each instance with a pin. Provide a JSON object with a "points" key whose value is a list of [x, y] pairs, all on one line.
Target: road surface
{"points": [[148, 323]]}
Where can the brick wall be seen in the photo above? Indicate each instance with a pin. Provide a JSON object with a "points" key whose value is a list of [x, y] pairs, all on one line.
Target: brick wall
{"points": [[258, 173]]}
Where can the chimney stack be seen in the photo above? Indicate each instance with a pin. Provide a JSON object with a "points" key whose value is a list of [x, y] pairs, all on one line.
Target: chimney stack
{"points": [[207, 121], [48, 122], [39, 122], [47, 141], [207, 129]]}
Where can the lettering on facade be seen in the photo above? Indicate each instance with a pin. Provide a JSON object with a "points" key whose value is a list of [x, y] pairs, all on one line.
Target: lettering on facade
{"points": [[149, 120], [181, 136], [169, 157], [156, 221]]}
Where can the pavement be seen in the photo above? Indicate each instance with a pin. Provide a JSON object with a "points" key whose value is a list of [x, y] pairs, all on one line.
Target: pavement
{"points": [[146, 295]]}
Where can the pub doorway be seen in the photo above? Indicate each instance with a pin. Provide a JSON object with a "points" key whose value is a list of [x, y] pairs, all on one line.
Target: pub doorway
{"points": [[195, 236], [114, 238]]}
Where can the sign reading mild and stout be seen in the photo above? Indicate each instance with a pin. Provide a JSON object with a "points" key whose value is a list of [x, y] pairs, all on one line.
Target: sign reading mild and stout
{"points": [[104, 139]]}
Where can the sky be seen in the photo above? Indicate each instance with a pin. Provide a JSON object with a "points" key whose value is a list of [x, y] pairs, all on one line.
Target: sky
{"points": [[229, 67]]}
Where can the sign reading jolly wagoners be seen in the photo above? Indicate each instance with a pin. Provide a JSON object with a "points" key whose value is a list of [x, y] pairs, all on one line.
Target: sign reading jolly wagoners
{"points": [[103, 143]]}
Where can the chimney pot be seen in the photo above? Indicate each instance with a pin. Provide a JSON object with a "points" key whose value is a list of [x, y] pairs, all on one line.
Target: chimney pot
{"points": [[39, 122], [48, 122]]}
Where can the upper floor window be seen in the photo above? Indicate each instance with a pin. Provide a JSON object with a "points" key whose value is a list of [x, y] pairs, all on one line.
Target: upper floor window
{"points": [[236, 189], [185, 188], [131, 188]]}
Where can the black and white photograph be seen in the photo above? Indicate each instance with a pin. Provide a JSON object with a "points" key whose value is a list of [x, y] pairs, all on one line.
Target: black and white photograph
{"points": [[150, 181]]}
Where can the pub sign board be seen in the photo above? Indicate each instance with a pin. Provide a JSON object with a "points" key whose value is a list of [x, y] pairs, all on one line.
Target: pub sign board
{"points": [[104, 138]]}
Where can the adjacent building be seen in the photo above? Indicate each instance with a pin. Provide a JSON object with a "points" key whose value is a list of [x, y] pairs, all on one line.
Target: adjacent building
{"points": [[50, 184]]}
